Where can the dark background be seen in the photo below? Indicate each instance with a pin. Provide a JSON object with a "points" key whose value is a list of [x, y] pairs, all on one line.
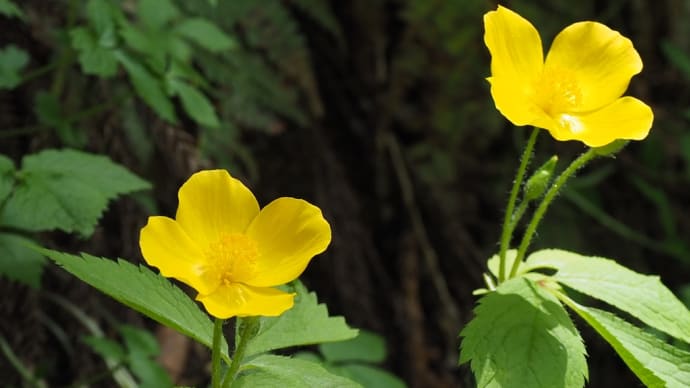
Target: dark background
{"points": [[379, 113]]}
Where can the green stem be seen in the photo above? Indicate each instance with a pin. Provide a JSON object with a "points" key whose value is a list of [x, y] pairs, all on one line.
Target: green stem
{"points": [[215, 355], [247, 330], [507, 221], [522, 208], [544, 205]]}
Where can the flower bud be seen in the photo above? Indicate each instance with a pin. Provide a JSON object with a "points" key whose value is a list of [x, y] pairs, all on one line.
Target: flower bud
{"points": [[536, 185]]}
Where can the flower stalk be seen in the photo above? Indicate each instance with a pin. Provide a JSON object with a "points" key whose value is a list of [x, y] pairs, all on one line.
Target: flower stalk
{"points": [[247, 329], [508, 221], [215, 352], [544, 205]]}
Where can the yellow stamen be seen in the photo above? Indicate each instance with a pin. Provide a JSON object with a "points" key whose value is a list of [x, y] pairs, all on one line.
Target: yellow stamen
{"points": [[233, 258]]}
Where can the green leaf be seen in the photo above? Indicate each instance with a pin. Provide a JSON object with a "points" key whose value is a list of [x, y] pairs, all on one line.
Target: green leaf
{"points": [[18, 261], [142, 290], [148, 87], [93, 58], [12, 61], [205, 34], [139, 341], [277, 371], [366, 347], [10, 9], [141, 350], [654, 362], [521, 336], [156, 13], [105, 347], [306, 323], [6, 177], [49, 112], [642, 296], [195, 104], [67, 190], [368, 375]]}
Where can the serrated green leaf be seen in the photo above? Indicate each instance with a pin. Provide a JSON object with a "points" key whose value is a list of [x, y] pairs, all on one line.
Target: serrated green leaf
{"points": [[654, 362], [205, 34], [18, 261], [105, 347], [495, 260], [142, 290], [67, 190], [195, 104], [12, 61], [6, 177], [642, 296], [521, 336], [148, 87], [366, 347], [306, 323], [93, 58], [10, 9], [277, 371]]}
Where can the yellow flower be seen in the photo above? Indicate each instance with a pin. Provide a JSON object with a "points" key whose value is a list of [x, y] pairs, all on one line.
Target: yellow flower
{"points": [[229, 251], [576, 93]]}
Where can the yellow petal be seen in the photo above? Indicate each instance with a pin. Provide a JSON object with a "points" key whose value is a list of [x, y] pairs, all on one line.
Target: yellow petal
{"points": [[166, 246], [288, 232], [517, 105], [516, 52], [212, 203], [237, 299], [626, 118], [601, 60]]}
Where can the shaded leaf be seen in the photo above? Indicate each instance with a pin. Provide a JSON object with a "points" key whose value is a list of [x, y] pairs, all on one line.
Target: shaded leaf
{"points": [[67, 190], [18, 261], [205, 34], [6, 177], [366, 347], [307, 322], [12, 61], [93, 58], [195, 104], [10, 9], [642, 296], [148, 87], [521, 336]]}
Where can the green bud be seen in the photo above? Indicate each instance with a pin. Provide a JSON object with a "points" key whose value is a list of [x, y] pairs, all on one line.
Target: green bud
{"points": [[536, 185], [611, 148]]}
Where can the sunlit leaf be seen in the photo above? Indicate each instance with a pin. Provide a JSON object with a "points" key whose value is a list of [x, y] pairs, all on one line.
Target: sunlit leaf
{"points": [[654, 362], [277, 371], [521, 336], [306, 323], [642, 296]]}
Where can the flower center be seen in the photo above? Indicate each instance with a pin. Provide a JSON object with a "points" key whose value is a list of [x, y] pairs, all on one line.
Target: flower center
{"points": [[558, 91], [233, 258]]}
